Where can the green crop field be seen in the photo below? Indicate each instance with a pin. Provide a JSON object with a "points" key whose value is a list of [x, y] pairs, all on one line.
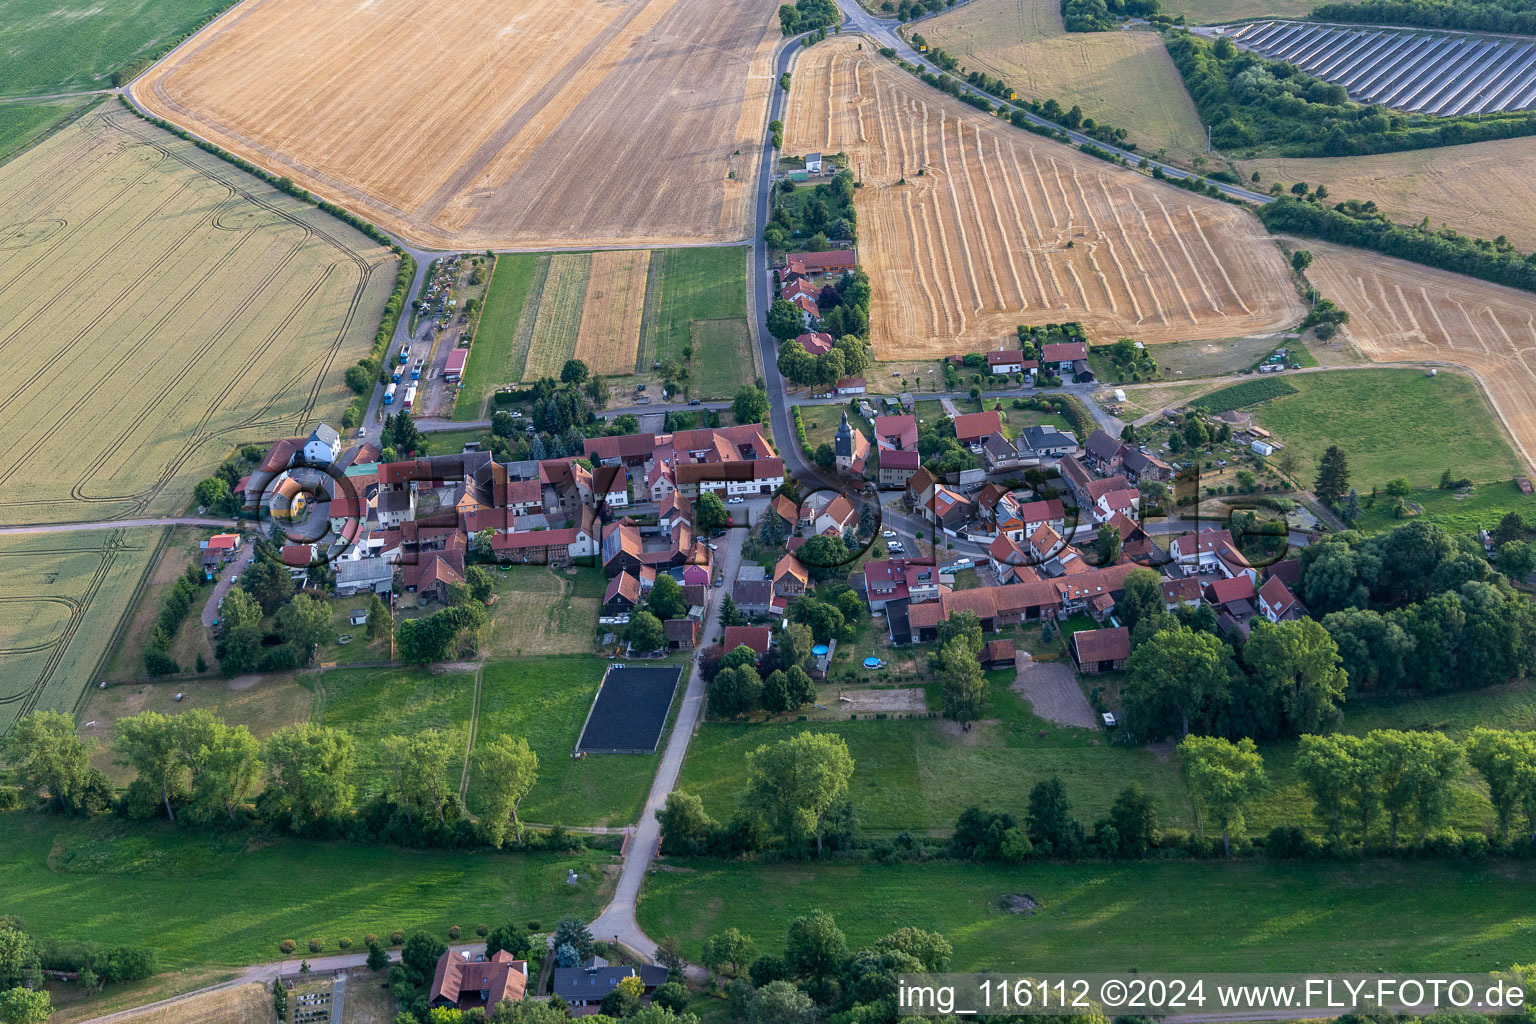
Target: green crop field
{"points": [[159, 306], [1249, 392], [62, 599], [920, 773], [558, 319], [212, 898], [374, 703], [698, 284], [495, 358], [1392, 423], [22, 124], [1150, 916], [68, 45], [722, 358], [545, 701]]}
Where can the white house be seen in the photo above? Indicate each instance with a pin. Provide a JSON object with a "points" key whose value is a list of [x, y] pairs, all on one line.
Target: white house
{"points": [[323, 446], [813, 163]]}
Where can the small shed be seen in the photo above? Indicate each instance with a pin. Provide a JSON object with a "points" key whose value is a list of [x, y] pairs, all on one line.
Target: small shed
{"points": [[358, 616], [813, 163], [1262, 448]]}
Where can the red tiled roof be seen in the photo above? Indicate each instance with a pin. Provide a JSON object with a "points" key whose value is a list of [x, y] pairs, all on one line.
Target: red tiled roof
{"points": [[816, 343], [1102, 644], [972, 425], [900, 429], [754, 637], [298, 555], [1238, 588], [1064, 351], [1275, 594], [998, 650], [1185, 589]]}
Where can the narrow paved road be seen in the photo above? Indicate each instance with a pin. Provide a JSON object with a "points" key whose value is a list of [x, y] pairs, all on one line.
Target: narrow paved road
{"points": [[617, 921]]}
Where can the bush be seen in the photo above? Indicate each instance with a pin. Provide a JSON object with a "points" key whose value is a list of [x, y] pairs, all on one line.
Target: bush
{"points": [[482, 930], [454, 932], [287, 946], [397, 937], [343, 943], [535, 926], [316, 945], [370, 939]]}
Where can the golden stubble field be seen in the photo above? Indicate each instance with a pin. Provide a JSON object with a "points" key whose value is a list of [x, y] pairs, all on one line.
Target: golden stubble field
{"points": [[1402, 311], [482, 124], [1485, 189], [969, 227], [157, 308], [1122, 78]]}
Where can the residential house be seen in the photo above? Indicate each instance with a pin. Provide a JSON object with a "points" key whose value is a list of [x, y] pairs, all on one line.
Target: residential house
{"points": [[1061, 358], [1040, 443], [1277, 603], [753, 597], [920, 486], [1184, 592], [1001, 454], [1100, 650], [975, 427], [217, 550], [888, 581], [896, 444], [323, 446], [297, 558], [811, 264], [622, 596], [1036, 514], [837, 517], [949, 510], [1233, 598], [1103, 453], [481, 983], [1212, 551], [1138, 465], [756, 477], [610, 487], [584, 987], [1008, 360], [757, 639], [817, 343], [790, 580], [1007, 557]]}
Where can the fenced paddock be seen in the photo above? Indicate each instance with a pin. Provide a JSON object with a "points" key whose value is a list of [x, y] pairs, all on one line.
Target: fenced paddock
{"points": [[630, 710], [1441, 73]]}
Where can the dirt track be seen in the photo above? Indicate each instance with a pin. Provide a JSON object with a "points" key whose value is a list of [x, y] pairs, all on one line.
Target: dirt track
{"points": [[471, 125], [968, 227], [1404, 311]]}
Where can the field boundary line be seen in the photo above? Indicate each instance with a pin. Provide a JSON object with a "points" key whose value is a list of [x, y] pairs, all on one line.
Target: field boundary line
{"points": [[474, 732], [522, 339], [645, 353]]}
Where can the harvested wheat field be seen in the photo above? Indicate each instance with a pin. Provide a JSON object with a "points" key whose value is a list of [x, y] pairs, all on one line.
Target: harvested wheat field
{"points": [[237, 1004], [1486, 189], [1402, 311], [1123, 78], [610, 319], [479, 124], [994, 227]]}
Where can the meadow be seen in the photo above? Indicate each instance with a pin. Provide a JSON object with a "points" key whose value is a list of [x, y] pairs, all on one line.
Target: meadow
{"points": [[63, 598], [1121, 78], [697, 286], [1391, 423], [1147, 916], [545, 701], [159, 306], [920, 773], [541, 611], [215, 898], [54, 46], [497, 357]]}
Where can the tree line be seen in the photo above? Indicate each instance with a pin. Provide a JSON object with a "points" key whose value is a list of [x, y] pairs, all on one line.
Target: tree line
{"points": [[844, 314], [1360, 224], [1103, 15], [23, 959], [1253, 102], [1516, 17], [194, 768]]}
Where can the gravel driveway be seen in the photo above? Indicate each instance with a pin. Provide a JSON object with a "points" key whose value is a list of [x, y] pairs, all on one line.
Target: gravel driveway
{"points": [[1051, 689]]}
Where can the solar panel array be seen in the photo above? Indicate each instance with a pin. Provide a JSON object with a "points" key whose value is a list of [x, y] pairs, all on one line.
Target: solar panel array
{"points": [[1429, 72]]}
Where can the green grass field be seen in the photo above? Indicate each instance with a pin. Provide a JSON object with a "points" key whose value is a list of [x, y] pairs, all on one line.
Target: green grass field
{"points": [[722, 358], [545, 701], [698, 284], [1249, 392], [920, 773], [494, 358], [374, 703], [22, 124], [1150, 916], [213, 898], [63, 597], [1480, 510], [1392, 423], [53, 46], [541, 611]]}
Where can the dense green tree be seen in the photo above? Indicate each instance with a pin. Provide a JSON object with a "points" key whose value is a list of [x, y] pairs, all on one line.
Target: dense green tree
{"points": [[1170, 679], [415, 770], [1134, 817], [772, 530], [1143, 597], [785, 321], [930, 949], [1299, 662], [962, 685], [150, 744], [792, 784], [1332, 480], [311, 773], [305, 622], [815, 947], [1373, 648], [1223, 777], [780, 1002], [506, 769], [508, 937], [750, 404], [25, 1006], [224, 762], [51, 762], [1051, 826], [710, 513], [20, 963], [574, 372], [419, 956], [1507, 762], [645, 632], [731, 949], [268, 581], [684, 823], [481, 583], [666, 599]]}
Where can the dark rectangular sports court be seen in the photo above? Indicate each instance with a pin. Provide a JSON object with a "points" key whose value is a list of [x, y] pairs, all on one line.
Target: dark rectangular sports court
{"points": [[630, 711]]}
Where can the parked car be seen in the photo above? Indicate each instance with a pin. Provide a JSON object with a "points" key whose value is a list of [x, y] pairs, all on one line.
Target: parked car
{"points": [[694, 401], [896, 546], [735, 500], [887, 533]]}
